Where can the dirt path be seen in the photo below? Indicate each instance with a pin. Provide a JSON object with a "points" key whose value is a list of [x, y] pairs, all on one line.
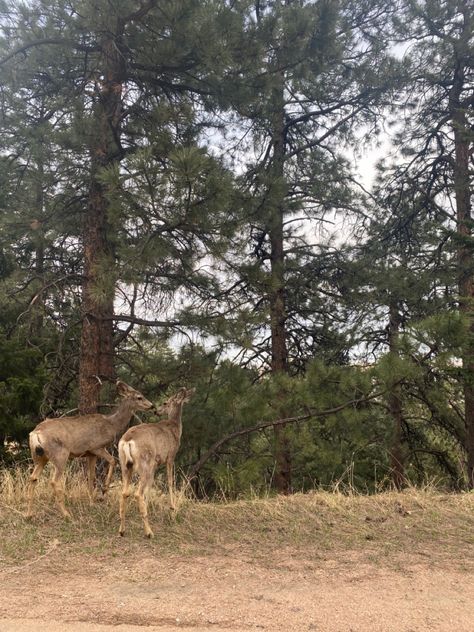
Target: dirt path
{"points": [[232, 592]]}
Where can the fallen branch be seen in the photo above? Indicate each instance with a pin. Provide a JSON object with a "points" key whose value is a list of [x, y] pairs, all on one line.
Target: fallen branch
{"points": [[277, 422]]}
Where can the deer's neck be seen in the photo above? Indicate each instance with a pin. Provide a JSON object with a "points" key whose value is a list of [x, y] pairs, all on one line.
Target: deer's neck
{"points": [[175, 418], [122, 415]]}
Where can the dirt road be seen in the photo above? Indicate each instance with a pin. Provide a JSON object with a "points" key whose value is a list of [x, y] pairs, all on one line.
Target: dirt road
{"points": [[230, 591]]}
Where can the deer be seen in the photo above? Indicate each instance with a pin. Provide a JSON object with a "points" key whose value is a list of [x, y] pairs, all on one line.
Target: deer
{"points": [[143, 448], [58, 439]]}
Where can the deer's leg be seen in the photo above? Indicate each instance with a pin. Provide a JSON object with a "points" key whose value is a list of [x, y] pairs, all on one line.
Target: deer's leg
{"points": [[170, 474], [126, 480], [127, 473], [57, 481], [103, 454], [91, 463], [122, 509], [39, 463], [141, 495]]}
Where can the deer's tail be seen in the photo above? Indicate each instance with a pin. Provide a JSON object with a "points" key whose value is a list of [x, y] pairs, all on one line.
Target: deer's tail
{"points": [[35, 444], [126, 448]]}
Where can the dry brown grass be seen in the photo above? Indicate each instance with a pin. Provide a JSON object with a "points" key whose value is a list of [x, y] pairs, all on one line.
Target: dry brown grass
{"points": [[431, 526]]}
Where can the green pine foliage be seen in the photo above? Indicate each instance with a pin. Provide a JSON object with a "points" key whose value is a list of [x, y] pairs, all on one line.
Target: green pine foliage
{"points": [[233, 116], [22, 377]]}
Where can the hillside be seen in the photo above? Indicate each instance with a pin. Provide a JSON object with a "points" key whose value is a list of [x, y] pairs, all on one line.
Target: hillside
{"points": [[319, 561]]}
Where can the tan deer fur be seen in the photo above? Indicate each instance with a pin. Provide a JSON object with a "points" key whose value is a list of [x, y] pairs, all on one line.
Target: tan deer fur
{"points": [[57, 440], [143, 448]]}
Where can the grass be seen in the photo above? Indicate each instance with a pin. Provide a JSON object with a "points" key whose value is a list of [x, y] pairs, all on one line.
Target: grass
{"points": [[427, 525]]}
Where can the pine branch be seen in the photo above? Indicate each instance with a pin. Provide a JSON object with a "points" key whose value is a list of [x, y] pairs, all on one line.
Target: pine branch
{"points": [[143, 321], [44, 42], [278, 422]]}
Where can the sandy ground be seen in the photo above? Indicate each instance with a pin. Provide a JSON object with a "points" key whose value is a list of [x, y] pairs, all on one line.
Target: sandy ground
{"points": [[230, 591]]}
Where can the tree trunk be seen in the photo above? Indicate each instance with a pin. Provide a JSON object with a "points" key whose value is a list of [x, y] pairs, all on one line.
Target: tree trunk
{"points": [[98, 290], [397, 456], [37, 227], [462, 136], [276, 195], [279, 351]]}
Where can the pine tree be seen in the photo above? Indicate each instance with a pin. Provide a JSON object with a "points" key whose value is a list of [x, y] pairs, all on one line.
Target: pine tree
{"points": [[299, 102], [402, 295], [125, 81], [438, 140]]}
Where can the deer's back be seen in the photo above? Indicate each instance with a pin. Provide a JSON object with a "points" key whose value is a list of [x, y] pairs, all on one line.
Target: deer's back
{"points": [[78, 434], [158, 441]]}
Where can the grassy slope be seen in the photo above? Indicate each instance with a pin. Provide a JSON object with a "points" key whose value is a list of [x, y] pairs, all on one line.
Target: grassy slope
{"points": [[428, 526]]}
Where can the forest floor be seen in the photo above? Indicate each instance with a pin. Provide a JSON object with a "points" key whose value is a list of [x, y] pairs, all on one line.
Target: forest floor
{"points": [[399, 562]]}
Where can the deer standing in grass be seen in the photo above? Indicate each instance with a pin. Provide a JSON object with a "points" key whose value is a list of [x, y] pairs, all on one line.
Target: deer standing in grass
{"points": [[59, 439], [143, 448]]}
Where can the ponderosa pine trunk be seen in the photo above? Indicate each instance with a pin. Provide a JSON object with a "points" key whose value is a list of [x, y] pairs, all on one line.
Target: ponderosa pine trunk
{"points": [[279, 351], [276, 194], [395, 403], [38, 235], [462, 149], [98, 290]]}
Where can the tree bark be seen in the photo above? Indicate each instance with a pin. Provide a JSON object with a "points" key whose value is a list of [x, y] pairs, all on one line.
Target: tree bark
{"points": [[37, 228], [397, 456], [98, 290], [462, 191], [276, 296]]}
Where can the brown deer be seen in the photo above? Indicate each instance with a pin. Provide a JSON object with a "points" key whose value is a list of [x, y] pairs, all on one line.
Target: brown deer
{"points": [[143, 448], [59, 439]]}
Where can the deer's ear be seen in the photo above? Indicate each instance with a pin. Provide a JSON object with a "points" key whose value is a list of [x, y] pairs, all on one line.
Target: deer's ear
{"points": [[188, 394], [179, 394], [122, 388]]}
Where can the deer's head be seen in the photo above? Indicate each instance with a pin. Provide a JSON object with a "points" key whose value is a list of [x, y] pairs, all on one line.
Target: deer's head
{"points": [[179, 398], [130, 394], [184, 394]]}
